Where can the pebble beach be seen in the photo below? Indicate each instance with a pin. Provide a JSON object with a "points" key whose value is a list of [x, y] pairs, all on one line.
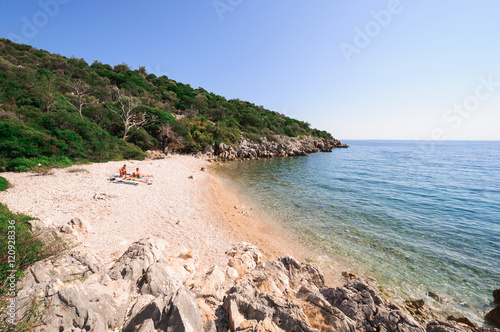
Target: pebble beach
{"points": [[188, 207]]}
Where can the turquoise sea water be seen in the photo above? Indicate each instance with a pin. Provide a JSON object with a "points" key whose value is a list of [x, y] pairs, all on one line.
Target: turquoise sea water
{"points": [[418, 216]]}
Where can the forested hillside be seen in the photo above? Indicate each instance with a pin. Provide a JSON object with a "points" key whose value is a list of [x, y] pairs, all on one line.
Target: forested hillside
{"points": [[56, 110]]}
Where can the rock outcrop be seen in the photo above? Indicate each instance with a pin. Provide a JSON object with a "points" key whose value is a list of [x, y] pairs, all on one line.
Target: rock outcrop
{"points": [[75, 227], [496, 296], [80, 294], [493, 316], [143, 291], [282, 146]]}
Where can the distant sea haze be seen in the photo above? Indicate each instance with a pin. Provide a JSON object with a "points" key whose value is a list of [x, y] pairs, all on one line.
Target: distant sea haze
{"points": [[423, 222]]}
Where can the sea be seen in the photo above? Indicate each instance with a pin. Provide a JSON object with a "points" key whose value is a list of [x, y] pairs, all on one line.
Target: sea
{"points": [[420, 217]]}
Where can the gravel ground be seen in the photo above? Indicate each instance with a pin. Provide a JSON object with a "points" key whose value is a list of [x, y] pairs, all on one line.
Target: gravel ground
{"points": [[175, 207], [202, 214]]}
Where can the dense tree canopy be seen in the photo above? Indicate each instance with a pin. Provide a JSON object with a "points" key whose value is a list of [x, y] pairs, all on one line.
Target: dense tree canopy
{"points": [[57, 110]]}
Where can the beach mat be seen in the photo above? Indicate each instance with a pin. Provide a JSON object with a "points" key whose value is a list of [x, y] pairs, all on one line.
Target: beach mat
{"points": [[127, 182]]}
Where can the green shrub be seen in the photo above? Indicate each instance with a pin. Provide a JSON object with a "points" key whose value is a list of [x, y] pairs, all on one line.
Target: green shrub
{"points": [[29, 248], [38, 163], [253, 137], [40, 118], [4, 184], [131, 151]]}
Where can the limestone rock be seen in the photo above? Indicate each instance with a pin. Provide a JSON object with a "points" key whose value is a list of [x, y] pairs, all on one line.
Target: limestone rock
{"points": [[179, 312], [434, 296], [281, 146], [36, 225], [70, 286], [184, 315], [140, 303], [439, 326], [66, 268], [235, 317], [137, 259], [244, 257], [496, 296], [154, 311], [208, 314], [181, 266], [72, 308], [462, 320], [364, 305], [493, 316], [300, 273], [75, 226], [321, 314], [420, 310], [160, 279], [81, 295], [266, 300], [57, 281], [231, 273], [110, 301], [147, 326], [455, 326], [209, 283], [266, 325], [156, 154], [280, 295]]}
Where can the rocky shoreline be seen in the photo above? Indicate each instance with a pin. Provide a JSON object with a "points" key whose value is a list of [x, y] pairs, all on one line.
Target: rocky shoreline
{"points": [[147, 289], [171, 266], [282, 146]]}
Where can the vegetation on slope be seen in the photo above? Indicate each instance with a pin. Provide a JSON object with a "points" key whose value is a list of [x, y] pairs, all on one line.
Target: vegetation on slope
{"points": [[56, 110], [4, 184]]}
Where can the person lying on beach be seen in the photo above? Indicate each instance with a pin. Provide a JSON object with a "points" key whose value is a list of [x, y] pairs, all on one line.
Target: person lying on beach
{"points": [[123, 171], [138, 174]]}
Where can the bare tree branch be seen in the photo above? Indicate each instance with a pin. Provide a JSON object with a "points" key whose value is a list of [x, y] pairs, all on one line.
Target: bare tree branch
{"points": [[80, 89], [131, 118]]}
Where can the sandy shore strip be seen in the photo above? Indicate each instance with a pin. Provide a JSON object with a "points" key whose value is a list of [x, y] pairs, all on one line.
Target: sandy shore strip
{"points": [[203, 214]]}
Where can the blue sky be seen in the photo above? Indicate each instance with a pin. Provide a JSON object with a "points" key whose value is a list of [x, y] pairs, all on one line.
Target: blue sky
{"points": [[408, 69]]}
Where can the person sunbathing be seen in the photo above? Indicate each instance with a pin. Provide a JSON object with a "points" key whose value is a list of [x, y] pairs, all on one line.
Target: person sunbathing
{"points": [[138, 174], [123, 171]]}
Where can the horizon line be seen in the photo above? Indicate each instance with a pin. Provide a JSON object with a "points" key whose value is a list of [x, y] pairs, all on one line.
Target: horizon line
{"points": [[418, 140]]}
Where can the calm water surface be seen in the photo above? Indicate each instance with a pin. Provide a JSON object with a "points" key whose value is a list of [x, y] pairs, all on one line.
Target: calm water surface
{"points": [[418, 217]]}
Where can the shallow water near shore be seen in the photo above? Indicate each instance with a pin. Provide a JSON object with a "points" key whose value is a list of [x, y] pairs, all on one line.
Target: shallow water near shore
{"points": [[419, 217]]}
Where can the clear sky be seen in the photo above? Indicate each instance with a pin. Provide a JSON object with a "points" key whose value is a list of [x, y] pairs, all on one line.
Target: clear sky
{"points": [[408, 69]]}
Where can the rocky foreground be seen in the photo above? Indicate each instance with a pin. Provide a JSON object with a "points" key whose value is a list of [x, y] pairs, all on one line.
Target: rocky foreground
{"points": [[283, 146], [147, 289]]}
